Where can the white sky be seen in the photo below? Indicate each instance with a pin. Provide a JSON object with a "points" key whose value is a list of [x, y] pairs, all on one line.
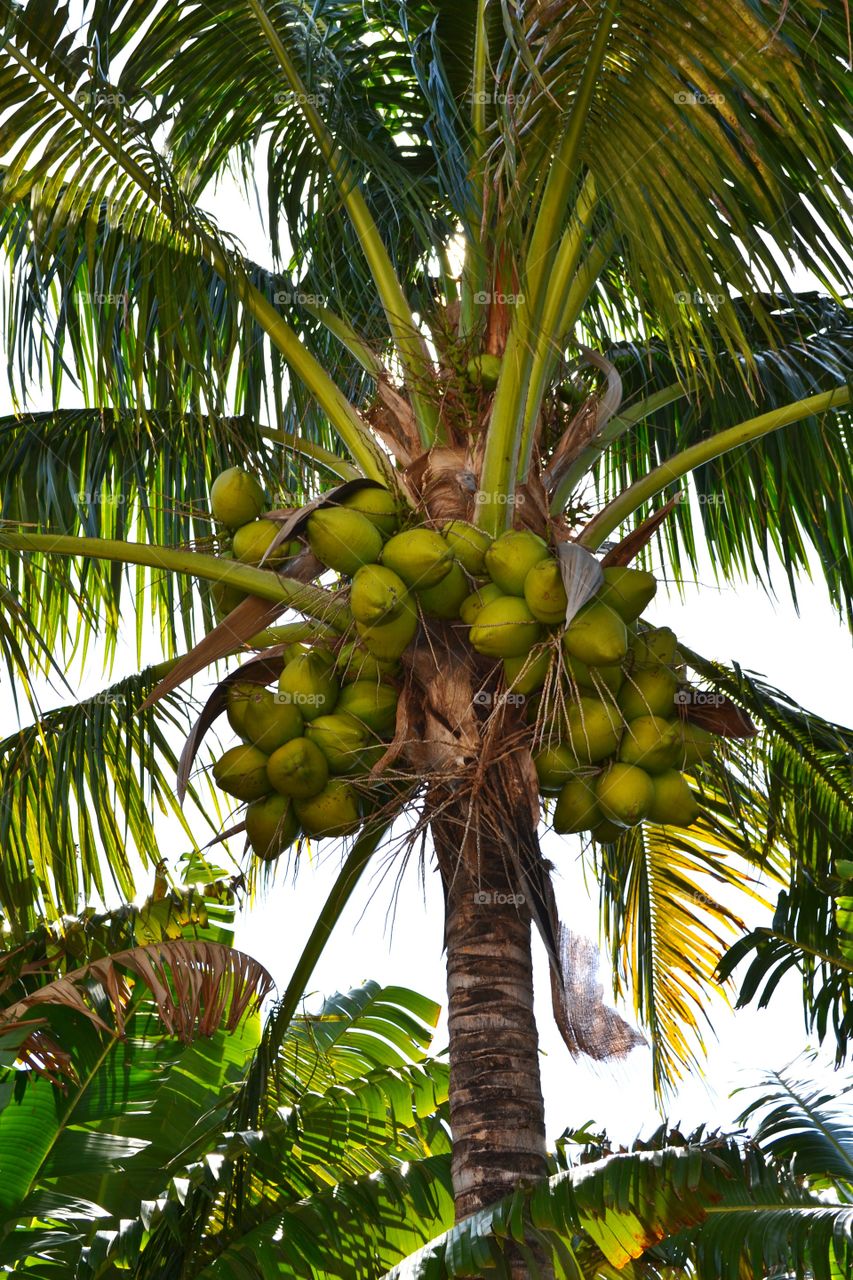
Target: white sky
{"points": [[807, 656]]}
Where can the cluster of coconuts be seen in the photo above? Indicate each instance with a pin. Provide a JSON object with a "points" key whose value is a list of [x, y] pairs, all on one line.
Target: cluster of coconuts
{"points": [[601, 694], [237, 501]]}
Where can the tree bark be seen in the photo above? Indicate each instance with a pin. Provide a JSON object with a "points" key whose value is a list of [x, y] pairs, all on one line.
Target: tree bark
{"points": [[472, 745], [497, 1112]]}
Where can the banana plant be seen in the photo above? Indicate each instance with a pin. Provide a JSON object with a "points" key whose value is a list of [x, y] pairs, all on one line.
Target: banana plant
{"points": [[531, 268]]}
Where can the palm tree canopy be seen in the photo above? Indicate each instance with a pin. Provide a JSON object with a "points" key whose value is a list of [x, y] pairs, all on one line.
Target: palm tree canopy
{"points": [[632, 180]]}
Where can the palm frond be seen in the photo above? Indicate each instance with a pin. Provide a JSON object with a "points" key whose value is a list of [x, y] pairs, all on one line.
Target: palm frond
{"points": [[357, 72], [593, 1220], [347, 1154], [669, 899], [809, 1129], [100, 473], [710, 133], [133, 1101], [77, 793], [792, 498], [792, 788]]}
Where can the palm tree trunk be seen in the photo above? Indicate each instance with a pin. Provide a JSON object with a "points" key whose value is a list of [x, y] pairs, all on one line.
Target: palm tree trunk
{"points": [[496, 1109], [483, 817]]}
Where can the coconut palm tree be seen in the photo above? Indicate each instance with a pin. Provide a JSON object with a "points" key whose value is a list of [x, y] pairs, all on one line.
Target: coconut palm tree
{"points": [[530, 268]]}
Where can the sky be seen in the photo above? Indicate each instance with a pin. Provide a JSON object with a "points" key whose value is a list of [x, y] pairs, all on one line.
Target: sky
{"points": [[392, 929]]}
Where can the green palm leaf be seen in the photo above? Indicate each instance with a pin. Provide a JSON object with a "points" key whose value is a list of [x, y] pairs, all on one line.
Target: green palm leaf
{"points": [[809, 1128], [79, 1155], [99, 473], [791, 497], [77, 790]]}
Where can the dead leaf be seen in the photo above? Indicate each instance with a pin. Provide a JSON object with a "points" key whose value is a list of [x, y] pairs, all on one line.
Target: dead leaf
{"points": [[723, 717], [581, 573], [251, 616], [629, 548]]}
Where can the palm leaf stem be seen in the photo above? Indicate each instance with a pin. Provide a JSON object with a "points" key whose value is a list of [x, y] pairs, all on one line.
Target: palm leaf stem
{"points": [[313, 601], [697, 455], [408, 341]]}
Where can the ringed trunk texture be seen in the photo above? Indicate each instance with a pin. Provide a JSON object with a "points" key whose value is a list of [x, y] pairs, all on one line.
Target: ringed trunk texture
{"points": [[471, 744], [496, 1108]]}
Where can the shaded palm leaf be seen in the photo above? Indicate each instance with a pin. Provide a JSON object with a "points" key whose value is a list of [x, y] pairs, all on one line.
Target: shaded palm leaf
{"points": [[792, 494], [805, 1127], [77, 790], [596, 1218], [100, 473]]}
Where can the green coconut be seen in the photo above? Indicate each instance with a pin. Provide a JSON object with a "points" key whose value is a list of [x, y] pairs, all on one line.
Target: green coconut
{"points": [[377, 594], [596, 635], [333, 812], [271, 826], [625, 794], [529, 672], [628, 591], [340, 738], [697, 744], [309, 684], [421, 557], [555, 763], [505, 629], [648, 691], [478, 600], [468, 545], [653, 647], [236, 701], [591, 728], [593, 679], [651, 742], [269, 722], [252, 541], [577, 807], [484, 371], [445, 599], [378, 505], [236, 497], [242, 772], [544, 592], [605, 831], [388, 640], [674, 804], [343, 539], [511, 557], [298, 769], [355, 663], [373, 704]]}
